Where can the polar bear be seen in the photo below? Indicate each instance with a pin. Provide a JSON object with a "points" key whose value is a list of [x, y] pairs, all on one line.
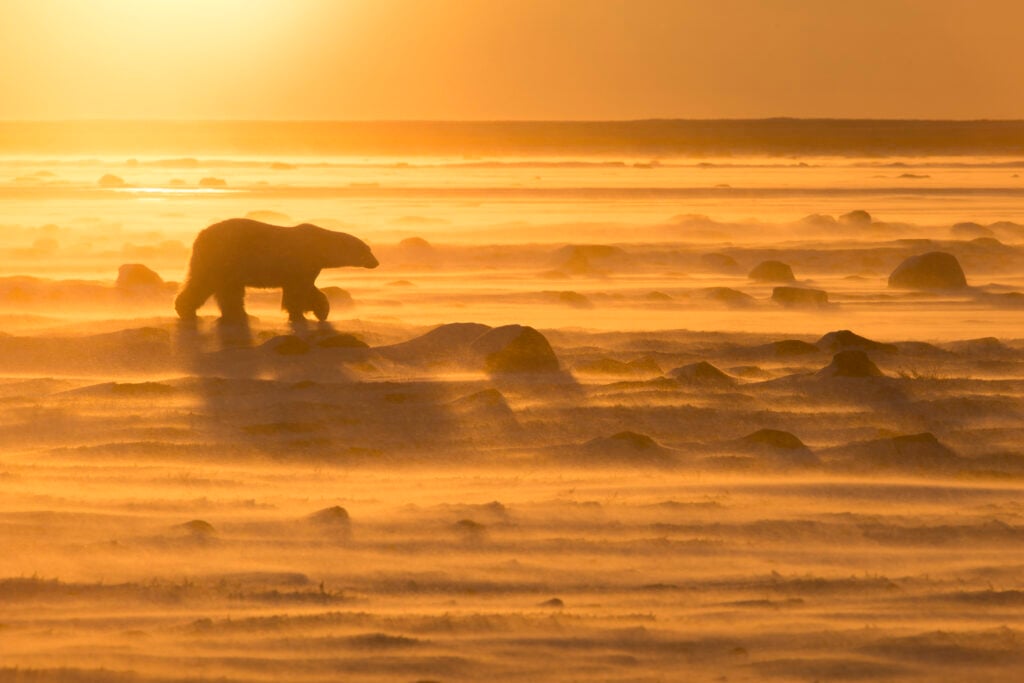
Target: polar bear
{"points": [[237, 253]]}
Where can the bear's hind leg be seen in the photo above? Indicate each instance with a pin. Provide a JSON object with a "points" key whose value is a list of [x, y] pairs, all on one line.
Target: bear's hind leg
{"points": [[231, 300]]}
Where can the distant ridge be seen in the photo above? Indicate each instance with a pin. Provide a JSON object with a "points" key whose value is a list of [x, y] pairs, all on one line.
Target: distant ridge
{"points": [[644, 138]]}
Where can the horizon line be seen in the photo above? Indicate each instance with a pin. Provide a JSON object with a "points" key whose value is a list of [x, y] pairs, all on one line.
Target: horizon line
{"points": [[808, 119]]}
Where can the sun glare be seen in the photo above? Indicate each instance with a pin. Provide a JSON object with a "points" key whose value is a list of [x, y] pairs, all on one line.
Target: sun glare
{"points": [[511, 340]]}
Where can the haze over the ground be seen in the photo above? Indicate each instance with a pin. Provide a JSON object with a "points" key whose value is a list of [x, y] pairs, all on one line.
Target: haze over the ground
{"points": [[629, 401]]}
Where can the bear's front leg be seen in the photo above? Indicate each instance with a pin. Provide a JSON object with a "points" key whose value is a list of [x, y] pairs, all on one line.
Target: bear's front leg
{"points": [[190, 299], [231, 299], [294, 299], [319, 304]]}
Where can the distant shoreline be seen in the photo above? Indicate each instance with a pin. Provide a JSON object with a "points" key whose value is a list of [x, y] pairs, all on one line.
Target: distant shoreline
{"points": [[652, 138]]}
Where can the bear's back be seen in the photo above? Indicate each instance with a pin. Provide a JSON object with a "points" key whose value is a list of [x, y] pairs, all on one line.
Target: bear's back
{"points": [[251, 252]]}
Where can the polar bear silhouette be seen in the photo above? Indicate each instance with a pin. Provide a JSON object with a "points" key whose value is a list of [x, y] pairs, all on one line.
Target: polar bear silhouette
{"points": [[237, 253]]}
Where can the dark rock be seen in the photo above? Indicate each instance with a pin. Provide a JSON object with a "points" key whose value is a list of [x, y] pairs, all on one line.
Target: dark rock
{"points": [[515, 349], [136, 275], [915, 452], [719, 262], [969, 230], [197, 528], [450, 342], [646, 366], [417, 251], [857, 217], [574, 299], [470, 531], [987, 347], [627, 447], [779, 448], [335, 517], [800, 297], [772, 271], [487, 405], [819, 220], [415, 243], [286, 345], [589, 259], [987, 243], [774, 438], [931, 271], [110, 180], [701, 373], [841, 340], [727, 296], [338, 297], [852, 363]]}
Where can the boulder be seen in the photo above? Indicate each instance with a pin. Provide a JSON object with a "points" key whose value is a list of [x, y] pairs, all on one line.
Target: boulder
{"points": [[338, 297], [470, 531], [818, 220], [610, 366], [286, 345], [197, 528], [701, 373], [726, 296], [627, 447], [852, 363], [719, 262], [969, 230], [841, 340], [449, 342], [772, 271], [935, 270], [778, 448], [589, 259], [514, 349], [574, 299], [800, 297], [416, 251], [857, 217], [334, 517], [136, 275], [775, 438], [509, 349], [110, 180], [487, 404], [914, 452]]}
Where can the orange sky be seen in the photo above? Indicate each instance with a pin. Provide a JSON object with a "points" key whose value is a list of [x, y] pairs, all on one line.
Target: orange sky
{"points": [[509, 59]]}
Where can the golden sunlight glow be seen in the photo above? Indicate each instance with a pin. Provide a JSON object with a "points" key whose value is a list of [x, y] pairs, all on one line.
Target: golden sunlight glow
{"points": [[511, 340], [507, 59]]}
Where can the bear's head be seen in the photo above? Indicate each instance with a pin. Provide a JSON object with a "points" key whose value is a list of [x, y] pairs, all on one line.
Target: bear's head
{"points": [[338, 249]]}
